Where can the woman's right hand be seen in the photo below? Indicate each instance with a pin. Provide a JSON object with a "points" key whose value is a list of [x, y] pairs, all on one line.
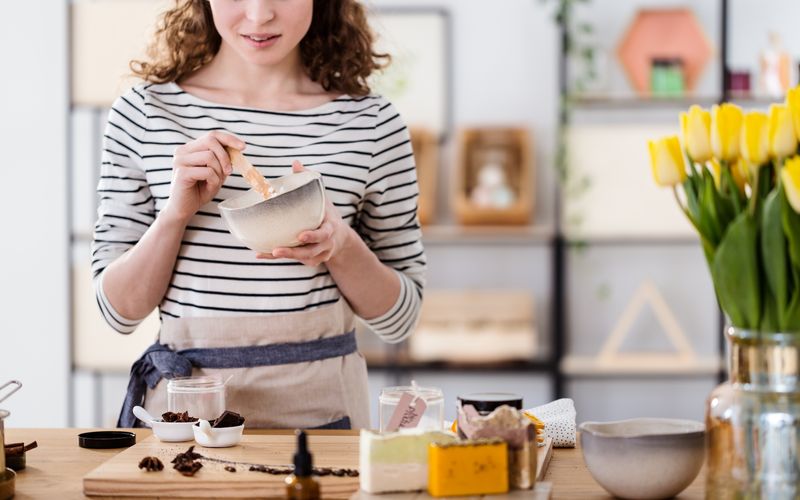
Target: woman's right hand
{"points": [[199, 168]]}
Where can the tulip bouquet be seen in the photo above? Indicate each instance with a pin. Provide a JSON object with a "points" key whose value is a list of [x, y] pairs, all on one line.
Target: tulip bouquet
{"points": [[737, 179]]}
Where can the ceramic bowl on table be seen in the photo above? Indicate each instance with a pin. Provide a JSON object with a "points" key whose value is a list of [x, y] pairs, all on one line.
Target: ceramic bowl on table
{"points": [[217, 437], [643, 458], [169, 432], [265, 224]]}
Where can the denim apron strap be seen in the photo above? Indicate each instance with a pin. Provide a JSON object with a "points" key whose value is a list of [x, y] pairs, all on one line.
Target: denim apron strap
{"points": [[159, 361]]}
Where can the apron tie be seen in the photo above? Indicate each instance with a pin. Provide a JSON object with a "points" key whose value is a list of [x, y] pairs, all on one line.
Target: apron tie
{"points": [[160, 361]]}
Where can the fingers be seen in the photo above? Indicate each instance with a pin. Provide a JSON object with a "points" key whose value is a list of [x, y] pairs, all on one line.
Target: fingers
{"points": [[214, 143], [221, 155], [310, 255], [227, 139], [297, 167], [191, 176], [205, 158], [324, 233]]}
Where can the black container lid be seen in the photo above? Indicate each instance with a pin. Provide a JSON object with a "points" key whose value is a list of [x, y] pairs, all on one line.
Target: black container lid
{"points": [[102, 440], [486, 402]]}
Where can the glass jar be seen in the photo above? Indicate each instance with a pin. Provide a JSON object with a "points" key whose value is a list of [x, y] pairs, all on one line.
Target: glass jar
{"points": [[203, 397], [486, 402], [432, 419], [753, 421]]}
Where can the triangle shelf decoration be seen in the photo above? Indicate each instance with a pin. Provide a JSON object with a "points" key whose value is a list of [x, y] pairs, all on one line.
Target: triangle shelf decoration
{"points": [[609, 361]]}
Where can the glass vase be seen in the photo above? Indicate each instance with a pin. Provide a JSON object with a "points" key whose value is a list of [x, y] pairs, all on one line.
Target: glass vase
{"points": [[753, 419]]}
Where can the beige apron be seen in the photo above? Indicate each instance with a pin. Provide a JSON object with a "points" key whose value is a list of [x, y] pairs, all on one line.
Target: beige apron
{"points": [[298, 395]]}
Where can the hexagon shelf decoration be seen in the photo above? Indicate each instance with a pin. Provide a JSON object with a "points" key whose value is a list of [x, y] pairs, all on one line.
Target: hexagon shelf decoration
{"points": [[664, 34]]}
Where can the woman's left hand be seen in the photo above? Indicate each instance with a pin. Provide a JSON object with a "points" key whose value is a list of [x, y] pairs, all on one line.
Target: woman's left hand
{"points": [[317, 246]]}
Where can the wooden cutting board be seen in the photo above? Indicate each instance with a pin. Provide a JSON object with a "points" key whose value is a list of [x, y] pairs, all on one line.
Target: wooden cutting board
{"points": [[120, 476]]}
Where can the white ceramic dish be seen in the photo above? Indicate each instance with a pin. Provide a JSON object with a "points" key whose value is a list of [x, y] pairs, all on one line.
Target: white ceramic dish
{"points": [[263, 225], [643, 458], [216, 437], [169, 432]]}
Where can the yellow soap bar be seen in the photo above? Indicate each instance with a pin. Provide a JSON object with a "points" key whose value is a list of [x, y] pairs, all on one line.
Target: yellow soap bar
{"points": [[468, 468]]}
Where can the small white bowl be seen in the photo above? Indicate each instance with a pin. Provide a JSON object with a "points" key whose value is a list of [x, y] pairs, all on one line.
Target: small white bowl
{"points": [[172, 432], [644, 458], [169, 432], [216, 437], [263, 225]]}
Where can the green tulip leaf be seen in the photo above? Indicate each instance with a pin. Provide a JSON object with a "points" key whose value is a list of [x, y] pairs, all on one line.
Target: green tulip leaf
{"points": [[709, 216], [774, 257], [736, 273], [791, 227]]}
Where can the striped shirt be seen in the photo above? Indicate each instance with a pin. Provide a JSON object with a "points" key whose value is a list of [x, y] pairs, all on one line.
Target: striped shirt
{"points": [[359, 145]]}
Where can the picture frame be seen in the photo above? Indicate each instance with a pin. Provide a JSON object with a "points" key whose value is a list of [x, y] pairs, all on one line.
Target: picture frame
{"points": [[494, 176], [419, 79], [426, 158]]}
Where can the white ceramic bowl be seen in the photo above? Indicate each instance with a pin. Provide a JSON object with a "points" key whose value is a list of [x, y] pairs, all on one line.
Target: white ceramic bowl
{"points": [[263, 225], [172, 432], [216, 437], [643, 458]]}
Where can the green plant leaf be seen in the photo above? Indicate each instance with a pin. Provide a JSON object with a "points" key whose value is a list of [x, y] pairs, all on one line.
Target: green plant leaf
{"points": [[774, 257], [769, 316], [793, 309], [791, 227], [736, 274], [709, 217]]}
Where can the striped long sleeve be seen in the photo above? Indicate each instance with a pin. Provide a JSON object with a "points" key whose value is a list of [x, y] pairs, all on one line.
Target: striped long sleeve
{"points": [[126, 207], [388, 222], [358, 144]]}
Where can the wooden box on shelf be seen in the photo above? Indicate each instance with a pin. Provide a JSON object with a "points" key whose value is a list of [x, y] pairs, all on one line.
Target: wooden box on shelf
{"points": [[475, 326], [494, 176], [426, 158]]}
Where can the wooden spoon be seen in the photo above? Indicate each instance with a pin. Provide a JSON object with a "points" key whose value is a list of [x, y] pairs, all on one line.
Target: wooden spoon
{"points": [[249, 172]]}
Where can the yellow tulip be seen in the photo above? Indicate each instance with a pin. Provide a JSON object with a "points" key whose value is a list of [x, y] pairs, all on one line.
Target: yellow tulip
{"points": [[793, 103], [790, 175], [666, 161], [726, 125], [696, 129], [782, 141], [755, 138], [716, 171], [739, 172]]}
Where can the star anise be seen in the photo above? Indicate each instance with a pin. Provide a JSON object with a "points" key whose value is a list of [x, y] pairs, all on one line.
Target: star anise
{"points": [[151, 464]]}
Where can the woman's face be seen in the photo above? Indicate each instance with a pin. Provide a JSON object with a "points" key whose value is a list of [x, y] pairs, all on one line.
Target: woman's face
{"points": [[262, 32]]}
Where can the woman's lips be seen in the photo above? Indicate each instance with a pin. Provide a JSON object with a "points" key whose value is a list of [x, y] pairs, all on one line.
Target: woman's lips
{"points": [[260, 41]]}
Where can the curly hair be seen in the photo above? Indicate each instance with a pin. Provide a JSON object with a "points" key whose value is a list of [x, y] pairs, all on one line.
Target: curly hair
{"points": [[336, 51]]}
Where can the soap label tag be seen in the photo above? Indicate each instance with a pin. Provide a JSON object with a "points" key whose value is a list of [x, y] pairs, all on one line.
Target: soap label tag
{"points": [[408, 413]]}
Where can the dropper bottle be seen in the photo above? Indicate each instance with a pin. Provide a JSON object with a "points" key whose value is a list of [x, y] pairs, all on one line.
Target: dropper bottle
{"points": [[301, 485]]}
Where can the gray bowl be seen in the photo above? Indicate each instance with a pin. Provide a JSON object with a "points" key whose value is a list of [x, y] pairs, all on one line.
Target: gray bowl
{"points": [[263, 225], [647, 458]]}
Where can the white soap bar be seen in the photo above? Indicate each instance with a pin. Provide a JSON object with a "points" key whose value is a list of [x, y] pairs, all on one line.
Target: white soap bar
{"points": [[397, 461]]}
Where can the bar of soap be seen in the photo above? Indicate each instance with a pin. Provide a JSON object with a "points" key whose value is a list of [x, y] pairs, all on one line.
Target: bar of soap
{"points": [[397, 461], [468, 468]]}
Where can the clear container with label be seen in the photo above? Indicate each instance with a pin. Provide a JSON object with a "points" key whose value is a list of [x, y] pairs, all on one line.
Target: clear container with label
{"points": [[432, 418], [203, 397]]}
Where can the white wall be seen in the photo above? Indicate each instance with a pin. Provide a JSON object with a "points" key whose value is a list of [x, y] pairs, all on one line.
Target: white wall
{"points": [[34, 344]]}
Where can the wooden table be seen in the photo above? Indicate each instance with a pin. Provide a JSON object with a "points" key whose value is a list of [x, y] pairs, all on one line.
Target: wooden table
{"points": [[56, 468]]}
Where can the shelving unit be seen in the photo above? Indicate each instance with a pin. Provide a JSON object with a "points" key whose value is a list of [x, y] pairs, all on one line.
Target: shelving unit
{"points": [[586, 366]]}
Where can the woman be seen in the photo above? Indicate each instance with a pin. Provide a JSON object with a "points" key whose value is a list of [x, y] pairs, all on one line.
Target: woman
{"points": [[284, 81]]}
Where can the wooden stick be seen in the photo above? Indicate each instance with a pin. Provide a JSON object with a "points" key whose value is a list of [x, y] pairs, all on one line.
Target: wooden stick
{"points": [[249, 172]]}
